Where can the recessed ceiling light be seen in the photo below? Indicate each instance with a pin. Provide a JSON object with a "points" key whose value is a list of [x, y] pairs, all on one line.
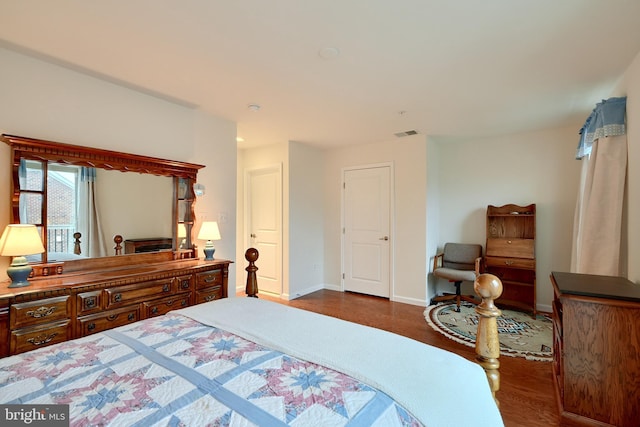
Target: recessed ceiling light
{"points": [[254, 107], [329, 52]]}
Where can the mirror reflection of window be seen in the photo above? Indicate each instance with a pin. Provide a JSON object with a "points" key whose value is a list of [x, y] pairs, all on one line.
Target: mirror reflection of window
{"points": [[62, 203]]}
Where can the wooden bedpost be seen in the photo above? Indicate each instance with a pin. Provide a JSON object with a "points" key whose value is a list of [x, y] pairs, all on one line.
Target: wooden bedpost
{"points": [[489, 288], [251, 255], [117, 239], [76, 243]]}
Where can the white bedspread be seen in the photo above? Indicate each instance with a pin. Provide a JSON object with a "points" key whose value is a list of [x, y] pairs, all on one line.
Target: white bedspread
{"points": [[439, 388]]}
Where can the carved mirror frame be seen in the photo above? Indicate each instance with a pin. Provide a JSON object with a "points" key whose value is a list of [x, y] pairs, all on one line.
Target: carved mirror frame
{"points": [[50, 151]]}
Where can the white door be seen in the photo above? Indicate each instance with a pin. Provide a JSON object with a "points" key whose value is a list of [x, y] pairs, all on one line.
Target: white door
{"points": [[264, 213], [367, 224]]}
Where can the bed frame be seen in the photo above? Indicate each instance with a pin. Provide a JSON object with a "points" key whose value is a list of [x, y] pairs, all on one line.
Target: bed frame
{"points": [[487, 286]]}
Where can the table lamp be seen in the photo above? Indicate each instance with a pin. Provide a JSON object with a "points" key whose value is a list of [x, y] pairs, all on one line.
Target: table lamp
{"points": [[209, 232], [17, 241]]}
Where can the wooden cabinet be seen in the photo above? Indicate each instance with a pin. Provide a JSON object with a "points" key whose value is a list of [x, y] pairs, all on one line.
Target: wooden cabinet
{"points": [[78, 304], [510, 253], [596, 363]]}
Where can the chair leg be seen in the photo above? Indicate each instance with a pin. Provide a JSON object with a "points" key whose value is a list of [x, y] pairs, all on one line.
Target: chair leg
{"points": [[458, 295]]}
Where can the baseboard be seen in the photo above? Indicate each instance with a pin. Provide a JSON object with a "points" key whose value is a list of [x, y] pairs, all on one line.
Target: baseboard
{"points": [[544, 308], [411, 301]]}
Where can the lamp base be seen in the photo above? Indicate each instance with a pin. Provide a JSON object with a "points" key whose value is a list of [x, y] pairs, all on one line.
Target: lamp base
{"points": [[208, 252], [18, 272]]}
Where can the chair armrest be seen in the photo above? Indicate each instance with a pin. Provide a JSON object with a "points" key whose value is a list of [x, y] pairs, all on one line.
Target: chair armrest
{"points": [[478, 266], [437, 261]]}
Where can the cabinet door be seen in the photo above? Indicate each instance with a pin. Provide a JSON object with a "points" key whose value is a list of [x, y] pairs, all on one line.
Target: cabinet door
{"points": [[513, 248]]}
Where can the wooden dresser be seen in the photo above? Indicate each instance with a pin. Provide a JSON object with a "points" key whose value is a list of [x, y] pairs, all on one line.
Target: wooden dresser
{"points": [[596, 362], [80, 303]]}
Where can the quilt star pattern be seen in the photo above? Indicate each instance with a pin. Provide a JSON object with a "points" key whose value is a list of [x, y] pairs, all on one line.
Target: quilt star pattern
{"points": [[174, 371]]}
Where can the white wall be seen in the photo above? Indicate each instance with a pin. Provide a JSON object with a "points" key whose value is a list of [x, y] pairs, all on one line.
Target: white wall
{"points": [[408, 156], [306, 217], [536, 167], [630, 86], [47, 101]]}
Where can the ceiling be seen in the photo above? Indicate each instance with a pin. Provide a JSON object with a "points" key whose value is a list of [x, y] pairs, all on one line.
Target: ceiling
{"points": [[336, 72]]}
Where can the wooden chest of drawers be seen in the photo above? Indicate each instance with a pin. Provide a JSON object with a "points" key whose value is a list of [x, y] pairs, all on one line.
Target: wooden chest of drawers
{"points": [[65, 307], [596, 363]]}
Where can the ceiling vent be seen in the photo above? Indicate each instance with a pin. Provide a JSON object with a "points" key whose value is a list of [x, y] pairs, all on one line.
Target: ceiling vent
{"points": [[406, 133]]}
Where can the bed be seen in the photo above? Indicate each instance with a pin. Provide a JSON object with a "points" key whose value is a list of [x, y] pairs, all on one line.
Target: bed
{"points": [[248, 361]]}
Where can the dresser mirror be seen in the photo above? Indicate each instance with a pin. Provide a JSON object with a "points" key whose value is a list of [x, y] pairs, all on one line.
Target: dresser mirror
{"points": [[80, 198]]}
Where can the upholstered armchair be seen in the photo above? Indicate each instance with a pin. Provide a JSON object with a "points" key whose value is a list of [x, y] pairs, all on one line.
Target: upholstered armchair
{"points": [[457, 263]]}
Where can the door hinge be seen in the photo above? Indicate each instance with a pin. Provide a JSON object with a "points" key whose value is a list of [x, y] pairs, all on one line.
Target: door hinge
{"points": [[344, 185], [343, 230], [342, 276]]}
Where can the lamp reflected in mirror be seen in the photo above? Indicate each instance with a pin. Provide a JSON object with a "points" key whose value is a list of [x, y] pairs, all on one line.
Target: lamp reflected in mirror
{"points": [[182, 235], [209, 232], [17, 241]]}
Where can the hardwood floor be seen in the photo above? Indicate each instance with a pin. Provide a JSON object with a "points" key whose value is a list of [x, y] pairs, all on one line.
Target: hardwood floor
{"points": [[527, 396]]}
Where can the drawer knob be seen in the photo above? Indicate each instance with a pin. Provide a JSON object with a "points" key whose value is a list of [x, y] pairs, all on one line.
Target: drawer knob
{"points": [[166, 288], [131, 316], [112, 317], [154, 310], [91, 326], [508, 262], [41, 312], [210, 279], [117, 297], [210, 298], [185, 284]]}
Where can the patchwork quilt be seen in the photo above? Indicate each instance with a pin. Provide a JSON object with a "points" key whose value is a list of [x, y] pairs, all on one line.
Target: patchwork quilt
{"points": [[172, 370]]}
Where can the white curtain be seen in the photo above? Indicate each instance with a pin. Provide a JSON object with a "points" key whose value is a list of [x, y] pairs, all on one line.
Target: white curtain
{"points": [[597, 234], [93, 242]]}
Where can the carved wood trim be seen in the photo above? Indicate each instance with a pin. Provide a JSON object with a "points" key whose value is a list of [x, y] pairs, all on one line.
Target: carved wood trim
{"points": [[38, 149]]}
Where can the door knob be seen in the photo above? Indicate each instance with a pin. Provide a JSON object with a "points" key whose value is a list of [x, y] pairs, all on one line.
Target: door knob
{"points": [[252, 235], [384, 238]]}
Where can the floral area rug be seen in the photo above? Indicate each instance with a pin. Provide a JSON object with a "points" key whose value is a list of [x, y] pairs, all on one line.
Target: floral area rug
{"points": [[520, 335]]}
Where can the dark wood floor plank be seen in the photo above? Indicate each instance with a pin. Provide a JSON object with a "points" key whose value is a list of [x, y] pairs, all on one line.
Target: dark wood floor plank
{"points": [[526, 393]]}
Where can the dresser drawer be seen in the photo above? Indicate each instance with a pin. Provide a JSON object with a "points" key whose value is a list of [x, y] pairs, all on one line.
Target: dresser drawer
{"points": [[208, 279], [165, 305], [184, 283], [39, 312], [512, 248], [209, 294], [123, 295], [526, 264], [88, 302], [92, 324], [26, 339]]}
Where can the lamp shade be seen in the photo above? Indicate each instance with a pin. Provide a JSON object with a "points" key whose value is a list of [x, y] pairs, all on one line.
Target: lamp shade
{"points": [[20, 240], [209, 231]]}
